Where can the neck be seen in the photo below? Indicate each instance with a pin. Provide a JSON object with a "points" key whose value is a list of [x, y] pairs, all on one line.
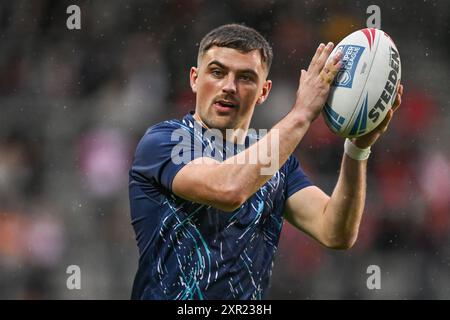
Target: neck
{"points": [[235, 135]]}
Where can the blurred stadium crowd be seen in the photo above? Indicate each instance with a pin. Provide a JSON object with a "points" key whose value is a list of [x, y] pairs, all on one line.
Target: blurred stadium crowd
{"points": [[74, 103]]}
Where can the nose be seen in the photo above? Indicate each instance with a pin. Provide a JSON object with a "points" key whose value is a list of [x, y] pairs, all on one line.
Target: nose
{"points": [[230, 84]]}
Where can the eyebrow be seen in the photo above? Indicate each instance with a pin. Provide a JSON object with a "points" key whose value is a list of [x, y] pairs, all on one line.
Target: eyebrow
{"points": [[221, 65]]}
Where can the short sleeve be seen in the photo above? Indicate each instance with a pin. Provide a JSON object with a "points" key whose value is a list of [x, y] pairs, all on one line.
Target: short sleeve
{"points": [[162, 152], [296, 177]]}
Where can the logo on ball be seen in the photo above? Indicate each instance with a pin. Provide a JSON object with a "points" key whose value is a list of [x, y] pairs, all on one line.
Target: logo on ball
{"points": [[350, 59], [343, 78]]}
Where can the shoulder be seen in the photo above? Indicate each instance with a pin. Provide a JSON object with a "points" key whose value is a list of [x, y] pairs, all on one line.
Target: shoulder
{"points": [[162, 132], [166, 126], [291, 163]]}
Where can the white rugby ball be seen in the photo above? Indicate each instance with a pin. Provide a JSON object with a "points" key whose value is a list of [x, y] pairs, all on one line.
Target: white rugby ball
{"points": [[366, 85]]}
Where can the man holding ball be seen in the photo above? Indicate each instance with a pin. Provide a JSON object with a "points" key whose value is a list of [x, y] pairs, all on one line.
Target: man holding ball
{"points": [[209, 229]]}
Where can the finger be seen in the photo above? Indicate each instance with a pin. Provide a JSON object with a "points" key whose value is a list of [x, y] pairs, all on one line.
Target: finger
{"points": [[333, 62], [385, 123], [333, 72], [337, 57], [302, 76], [327, 76], [323, 57], [316, 56], [397, 102], [333, 66], [398, 98]]}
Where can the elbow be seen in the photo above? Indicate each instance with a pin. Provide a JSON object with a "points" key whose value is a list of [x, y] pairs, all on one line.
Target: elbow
{"points": [[341, 243], [230, 199]]}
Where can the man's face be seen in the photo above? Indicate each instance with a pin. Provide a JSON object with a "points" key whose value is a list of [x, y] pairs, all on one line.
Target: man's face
{"points": [[228, 85]]}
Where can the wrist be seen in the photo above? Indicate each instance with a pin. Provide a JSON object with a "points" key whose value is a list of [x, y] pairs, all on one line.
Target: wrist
{"points": [[301, 119], [360, 143], [355, 152]]}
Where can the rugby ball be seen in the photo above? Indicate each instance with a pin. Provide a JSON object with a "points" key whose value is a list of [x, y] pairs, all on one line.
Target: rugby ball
{"points": [[365, 87]]}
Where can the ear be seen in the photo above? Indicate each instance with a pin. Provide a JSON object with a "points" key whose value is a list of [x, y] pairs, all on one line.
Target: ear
{"points": [[265, 91], [193, 76]]}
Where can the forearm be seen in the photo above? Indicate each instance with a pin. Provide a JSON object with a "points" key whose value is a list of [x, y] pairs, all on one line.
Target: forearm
{"points": [[228, 184], [264, 158], [344, 210]]}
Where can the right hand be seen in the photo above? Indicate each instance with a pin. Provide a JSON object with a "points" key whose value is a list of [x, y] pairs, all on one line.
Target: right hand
{"points": [[314, 86]]}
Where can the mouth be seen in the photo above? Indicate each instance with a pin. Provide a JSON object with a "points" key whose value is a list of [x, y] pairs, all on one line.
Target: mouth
{"points": [[225, 105]]}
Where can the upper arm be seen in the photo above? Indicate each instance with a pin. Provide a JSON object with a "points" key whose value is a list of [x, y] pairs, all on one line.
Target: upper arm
{"points": [[166, 154], [305, 209], [154, 157]]}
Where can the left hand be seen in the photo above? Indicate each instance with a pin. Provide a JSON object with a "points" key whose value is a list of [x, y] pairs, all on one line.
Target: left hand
{"points": [[369, 139]]}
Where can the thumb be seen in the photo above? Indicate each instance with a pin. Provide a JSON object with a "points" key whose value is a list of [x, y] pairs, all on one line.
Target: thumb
{"points": [[302, 75]]}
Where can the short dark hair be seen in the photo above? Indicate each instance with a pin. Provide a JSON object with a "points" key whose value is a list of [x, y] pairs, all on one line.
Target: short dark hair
{"points": [[239, 37]]}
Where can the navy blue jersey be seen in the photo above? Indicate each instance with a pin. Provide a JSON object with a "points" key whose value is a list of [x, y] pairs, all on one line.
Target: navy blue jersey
{"points": [[193, 251]]}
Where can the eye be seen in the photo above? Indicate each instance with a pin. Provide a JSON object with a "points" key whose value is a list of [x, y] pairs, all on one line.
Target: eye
{"points": [[246, 78], [216, 73]]}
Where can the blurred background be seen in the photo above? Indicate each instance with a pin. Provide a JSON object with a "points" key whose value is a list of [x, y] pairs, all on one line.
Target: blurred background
{"points": [[74, 103]]}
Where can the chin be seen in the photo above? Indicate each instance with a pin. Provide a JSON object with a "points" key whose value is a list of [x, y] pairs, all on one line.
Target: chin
{"points": [[221, 124]]}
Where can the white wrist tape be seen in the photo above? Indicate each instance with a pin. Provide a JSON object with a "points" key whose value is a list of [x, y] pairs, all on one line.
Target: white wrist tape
{"points": [[354, 152]]}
